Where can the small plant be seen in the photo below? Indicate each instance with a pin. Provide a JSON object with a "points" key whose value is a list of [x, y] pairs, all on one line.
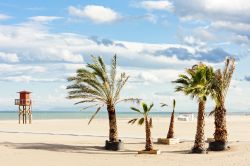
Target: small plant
{"points": [[171, 125], [148, 123]]}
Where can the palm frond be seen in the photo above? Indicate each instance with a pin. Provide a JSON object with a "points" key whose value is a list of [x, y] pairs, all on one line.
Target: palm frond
{"points": [[141, 121], [101, 89], [228, 76], [181, 81], [92, 84], [93, 116], [197, 82], [135, 109], [90, 106], [150, 107], [86, 101], [132, 121], [113, 74], [211, 113], [163, 105], [120, 84], [222, 81], [87, 86], [145, 107], [133, 100], [97, 71], [101, 62], [105, 74]]}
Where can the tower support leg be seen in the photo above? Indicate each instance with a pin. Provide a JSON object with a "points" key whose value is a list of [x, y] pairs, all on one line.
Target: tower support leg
{"points": [[23, 115], [19, 115]]}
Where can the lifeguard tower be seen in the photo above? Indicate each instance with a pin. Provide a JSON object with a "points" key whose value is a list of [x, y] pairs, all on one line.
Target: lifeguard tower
{"points": [[25, 107]]}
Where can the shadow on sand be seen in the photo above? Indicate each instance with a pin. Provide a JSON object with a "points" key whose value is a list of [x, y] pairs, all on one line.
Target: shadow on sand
{"points": [[76, 149], [178, 152], [63, 134], [65, 148]]}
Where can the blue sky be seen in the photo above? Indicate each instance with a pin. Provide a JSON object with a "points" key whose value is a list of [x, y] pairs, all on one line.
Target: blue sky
{"points": [[44, 42]]}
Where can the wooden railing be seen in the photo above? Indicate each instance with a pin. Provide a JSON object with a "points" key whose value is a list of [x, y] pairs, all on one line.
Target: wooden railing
{"points": [[23, 102]]}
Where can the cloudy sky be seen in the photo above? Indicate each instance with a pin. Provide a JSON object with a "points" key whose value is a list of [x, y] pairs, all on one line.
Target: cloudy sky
{"points": [[43, 42]]}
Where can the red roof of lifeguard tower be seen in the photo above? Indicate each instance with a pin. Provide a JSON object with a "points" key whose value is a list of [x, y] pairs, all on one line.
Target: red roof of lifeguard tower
{"points": [[24, 91]]}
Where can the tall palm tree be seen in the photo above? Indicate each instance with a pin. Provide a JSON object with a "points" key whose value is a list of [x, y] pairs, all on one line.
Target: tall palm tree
{"points": [[94, 85], [148, 123], [171, 125], [221, 85], [198, 84]]}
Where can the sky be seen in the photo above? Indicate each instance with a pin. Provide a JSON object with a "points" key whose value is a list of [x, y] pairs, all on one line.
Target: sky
{"points": [[43, 42]]}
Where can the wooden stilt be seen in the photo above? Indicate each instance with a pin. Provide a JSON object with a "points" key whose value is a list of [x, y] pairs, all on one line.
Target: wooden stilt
{"points": [[25, 114], [19, 115], [30, 115], [23, 118]]}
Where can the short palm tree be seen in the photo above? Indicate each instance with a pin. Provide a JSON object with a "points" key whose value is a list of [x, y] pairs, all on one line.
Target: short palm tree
{"points": [[148, 123], [197, 84], [221, 85], [171, 125], [94, 85]]}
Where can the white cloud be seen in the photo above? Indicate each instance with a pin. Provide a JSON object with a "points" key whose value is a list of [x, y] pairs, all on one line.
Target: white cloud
{"points": [[237, 95], [72, 67], [8, 57], [44, 18], [233, 10], [192, 41], [225, 6], [4, 17], [220, 21], [46, 47], [64, 54], [41, 46], [150, 76], [241, 39], [147, 77], [156, 5], [59, 55], [17, 68], [98, 14], [17, 78], [26, 78], [232, 26]]}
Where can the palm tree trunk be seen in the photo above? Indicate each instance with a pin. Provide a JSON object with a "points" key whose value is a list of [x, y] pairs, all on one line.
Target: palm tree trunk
{"points": [[220, 124], [200, 137], [171, 127], [149, 142], [113, 133]]}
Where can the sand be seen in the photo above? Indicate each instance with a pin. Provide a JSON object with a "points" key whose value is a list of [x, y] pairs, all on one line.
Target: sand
{"points": [[73, 142]]}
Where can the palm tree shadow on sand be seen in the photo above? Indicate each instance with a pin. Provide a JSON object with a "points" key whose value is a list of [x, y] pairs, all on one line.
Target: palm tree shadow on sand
{"points": [[65, 148], [77, 149], [177, 152]]}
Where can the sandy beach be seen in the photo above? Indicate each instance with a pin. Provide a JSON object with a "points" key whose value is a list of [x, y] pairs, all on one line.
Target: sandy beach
{"points": [[73, 142]]}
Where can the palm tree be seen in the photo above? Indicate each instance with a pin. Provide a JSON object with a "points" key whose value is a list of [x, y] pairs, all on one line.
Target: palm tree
{"points": [[197, 84], [221, 85], [171, 125], [148, 123], [94, 85]]}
